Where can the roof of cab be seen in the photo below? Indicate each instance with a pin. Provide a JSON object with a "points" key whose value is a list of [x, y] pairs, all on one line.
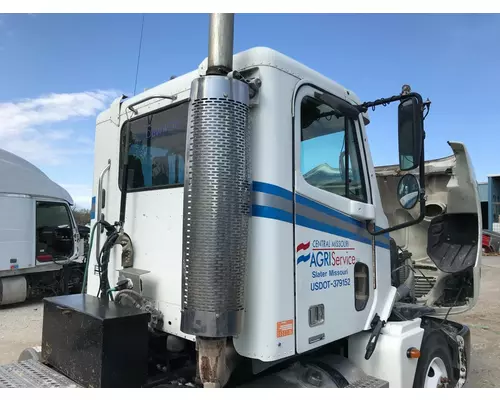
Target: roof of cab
{"points": [[21, 177], [265, 56], [254, 57]]}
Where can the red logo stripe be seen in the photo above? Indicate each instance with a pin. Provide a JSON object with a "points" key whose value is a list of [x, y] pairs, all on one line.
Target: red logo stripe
{"points": [[303, 246]]}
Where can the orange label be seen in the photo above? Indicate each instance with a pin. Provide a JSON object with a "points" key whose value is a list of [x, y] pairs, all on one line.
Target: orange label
{"points": [[284, 328]]}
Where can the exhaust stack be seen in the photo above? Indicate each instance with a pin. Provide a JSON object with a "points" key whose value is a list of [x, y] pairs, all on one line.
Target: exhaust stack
{"points": [[220, 44], [216, 206]]}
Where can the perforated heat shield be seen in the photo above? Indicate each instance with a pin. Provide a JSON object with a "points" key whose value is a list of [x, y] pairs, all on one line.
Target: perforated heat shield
{"points": [[216, 208]]}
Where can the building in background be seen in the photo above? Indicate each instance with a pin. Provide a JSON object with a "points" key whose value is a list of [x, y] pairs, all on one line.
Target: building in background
{"points": [[489, 195], [483, 198]]}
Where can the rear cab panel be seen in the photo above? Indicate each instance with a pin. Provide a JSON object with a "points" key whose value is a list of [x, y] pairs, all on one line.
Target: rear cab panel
{"points": [[151, 208]]}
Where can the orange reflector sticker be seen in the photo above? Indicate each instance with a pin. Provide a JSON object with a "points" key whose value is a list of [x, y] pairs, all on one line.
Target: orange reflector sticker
{"points": [[284, 328]]}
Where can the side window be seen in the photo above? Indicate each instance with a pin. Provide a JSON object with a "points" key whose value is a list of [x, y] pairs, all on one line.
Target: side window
{"points": [[52, 214], [54, 231], [156, 148], [329, 151]]}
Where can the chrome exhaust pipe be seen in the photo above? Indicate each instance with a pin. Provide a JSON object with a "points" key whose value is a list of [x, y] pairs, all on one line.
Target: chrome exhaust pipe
{"points": [[220, 44], [215, 228]]}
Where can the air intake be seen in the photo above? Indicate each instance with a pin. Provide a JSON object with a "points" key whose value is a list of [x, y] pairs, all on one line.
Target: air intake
{"points": [[216, 208]]}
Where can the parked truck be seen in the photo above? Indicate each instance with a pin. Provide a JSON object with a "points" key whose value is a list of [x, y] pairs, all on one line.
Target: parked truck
{"points": [[242, 237], [40, 246]]}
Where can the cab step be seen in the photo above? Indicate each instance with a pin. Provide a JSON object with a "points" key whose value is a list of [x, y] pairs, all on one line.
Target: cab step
{"points": [[32, 374], [369, 382]]}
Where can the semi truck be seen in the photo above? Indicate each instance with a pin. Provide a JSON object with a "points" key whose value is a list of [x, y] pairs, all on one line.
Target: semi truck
{"points": [[40, 245], [242, 237]]}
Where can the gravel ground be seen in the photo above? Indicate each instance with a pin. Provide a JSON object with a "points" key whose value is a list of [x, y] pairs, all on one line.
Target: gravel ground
{"points": [[21, 327], [484, 323]]}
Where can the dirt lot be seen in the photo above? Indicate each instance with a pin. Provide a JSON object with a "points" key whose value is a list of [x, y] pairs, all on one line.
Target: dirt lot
{"points": [[21, 327], [484, 323]]}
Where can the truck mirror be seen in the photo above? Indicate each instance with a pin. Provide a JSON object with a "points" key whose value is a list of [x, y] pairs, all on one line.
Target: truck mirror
{"points": [[408, 191], [410, 132]]}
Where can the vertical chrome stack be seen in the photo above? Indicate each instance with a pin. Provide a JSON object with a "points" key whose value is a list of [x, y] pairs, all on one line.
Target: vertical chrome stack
{"points": [[216, 205]]}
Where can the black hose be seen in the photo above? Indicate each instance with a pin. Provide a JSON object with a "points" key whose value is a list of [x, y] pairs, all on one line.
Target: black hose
{"points": [[103, 262], [140, 303], [130, 294]]}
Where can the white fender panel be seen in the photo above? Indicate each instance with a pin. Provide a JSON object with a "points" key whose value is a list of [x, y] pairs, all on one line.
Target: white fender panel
{"points": [[389, 360]]}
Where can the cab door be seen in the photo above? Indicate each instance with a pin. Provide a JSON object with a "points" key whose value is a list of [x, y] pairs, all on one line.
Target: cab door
{"points": [[332, 202]]}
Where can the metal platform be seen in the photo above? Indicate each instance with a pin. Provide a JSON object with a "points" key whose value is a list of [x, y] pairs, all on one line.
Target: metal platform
{"points": [[369, 382], [32, 374]]}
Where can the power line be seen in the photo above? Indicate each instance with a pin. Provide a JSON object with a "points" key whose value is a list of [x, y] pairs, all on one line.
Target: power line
{"points": [[139, 55]]}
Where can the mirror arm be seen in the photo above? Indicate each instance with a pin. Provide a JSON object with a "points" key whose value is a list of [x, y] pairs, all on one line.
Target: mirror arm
{"points": [[421, 170], [403, 225], [365, 106]]}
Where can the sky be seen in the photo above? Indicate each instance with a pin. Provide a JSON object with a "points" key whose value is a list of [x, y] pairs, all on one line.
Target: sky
{"points": [[58, 71]]}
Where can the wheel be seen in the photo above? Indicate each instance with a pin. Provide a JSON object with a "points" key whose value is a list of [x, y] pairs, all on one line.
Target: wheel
{"points": [[31, 353], [435, 366]]}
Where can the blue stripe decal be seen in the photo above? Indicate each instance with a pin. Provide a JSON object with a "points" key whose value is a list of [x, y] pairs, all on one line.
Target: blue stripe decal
{"points": [[327, 210], [272, 213], [383, 245], [281, 215], [286, 194], [320, 226], [272, 189]]}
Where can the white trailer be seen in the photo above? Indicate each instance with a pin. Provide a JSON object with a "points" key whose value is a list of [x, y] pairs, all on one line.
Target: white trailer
{"points": [[38, 234], [262, 244]]}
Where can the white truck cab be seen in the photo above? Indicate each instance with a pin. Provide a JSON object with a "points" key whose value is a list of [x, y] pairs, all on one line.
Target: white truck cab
{"points": [[315, 274], [238, 206], [38, 233]]}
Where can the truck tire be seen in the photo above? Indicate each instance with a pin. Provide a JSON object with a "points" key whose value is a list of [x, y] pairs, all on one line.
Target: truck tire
{"points": [[31, 353], [435, 366]]}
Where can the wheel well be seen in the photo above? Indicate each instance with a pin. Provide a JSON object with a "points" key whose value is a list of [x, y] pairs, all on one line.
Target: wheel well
{"points": [[449, 330]]}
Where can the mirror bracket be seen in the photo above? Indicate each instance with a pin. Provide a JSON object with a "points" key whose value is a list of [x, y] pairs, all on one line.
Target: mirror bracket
{"points": [[385, 101], [405, 95], [370, 225]]}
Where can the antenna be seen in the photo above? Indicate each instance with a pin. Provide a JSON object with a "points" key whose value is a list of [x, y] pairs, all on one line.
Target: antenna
{"points": [[139, 55]]}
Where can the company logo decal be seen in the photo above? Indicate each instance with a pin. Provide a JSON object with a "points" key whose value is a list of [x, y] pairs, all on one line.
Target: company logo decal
{"points": [[330, 261], [303, 257]]}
